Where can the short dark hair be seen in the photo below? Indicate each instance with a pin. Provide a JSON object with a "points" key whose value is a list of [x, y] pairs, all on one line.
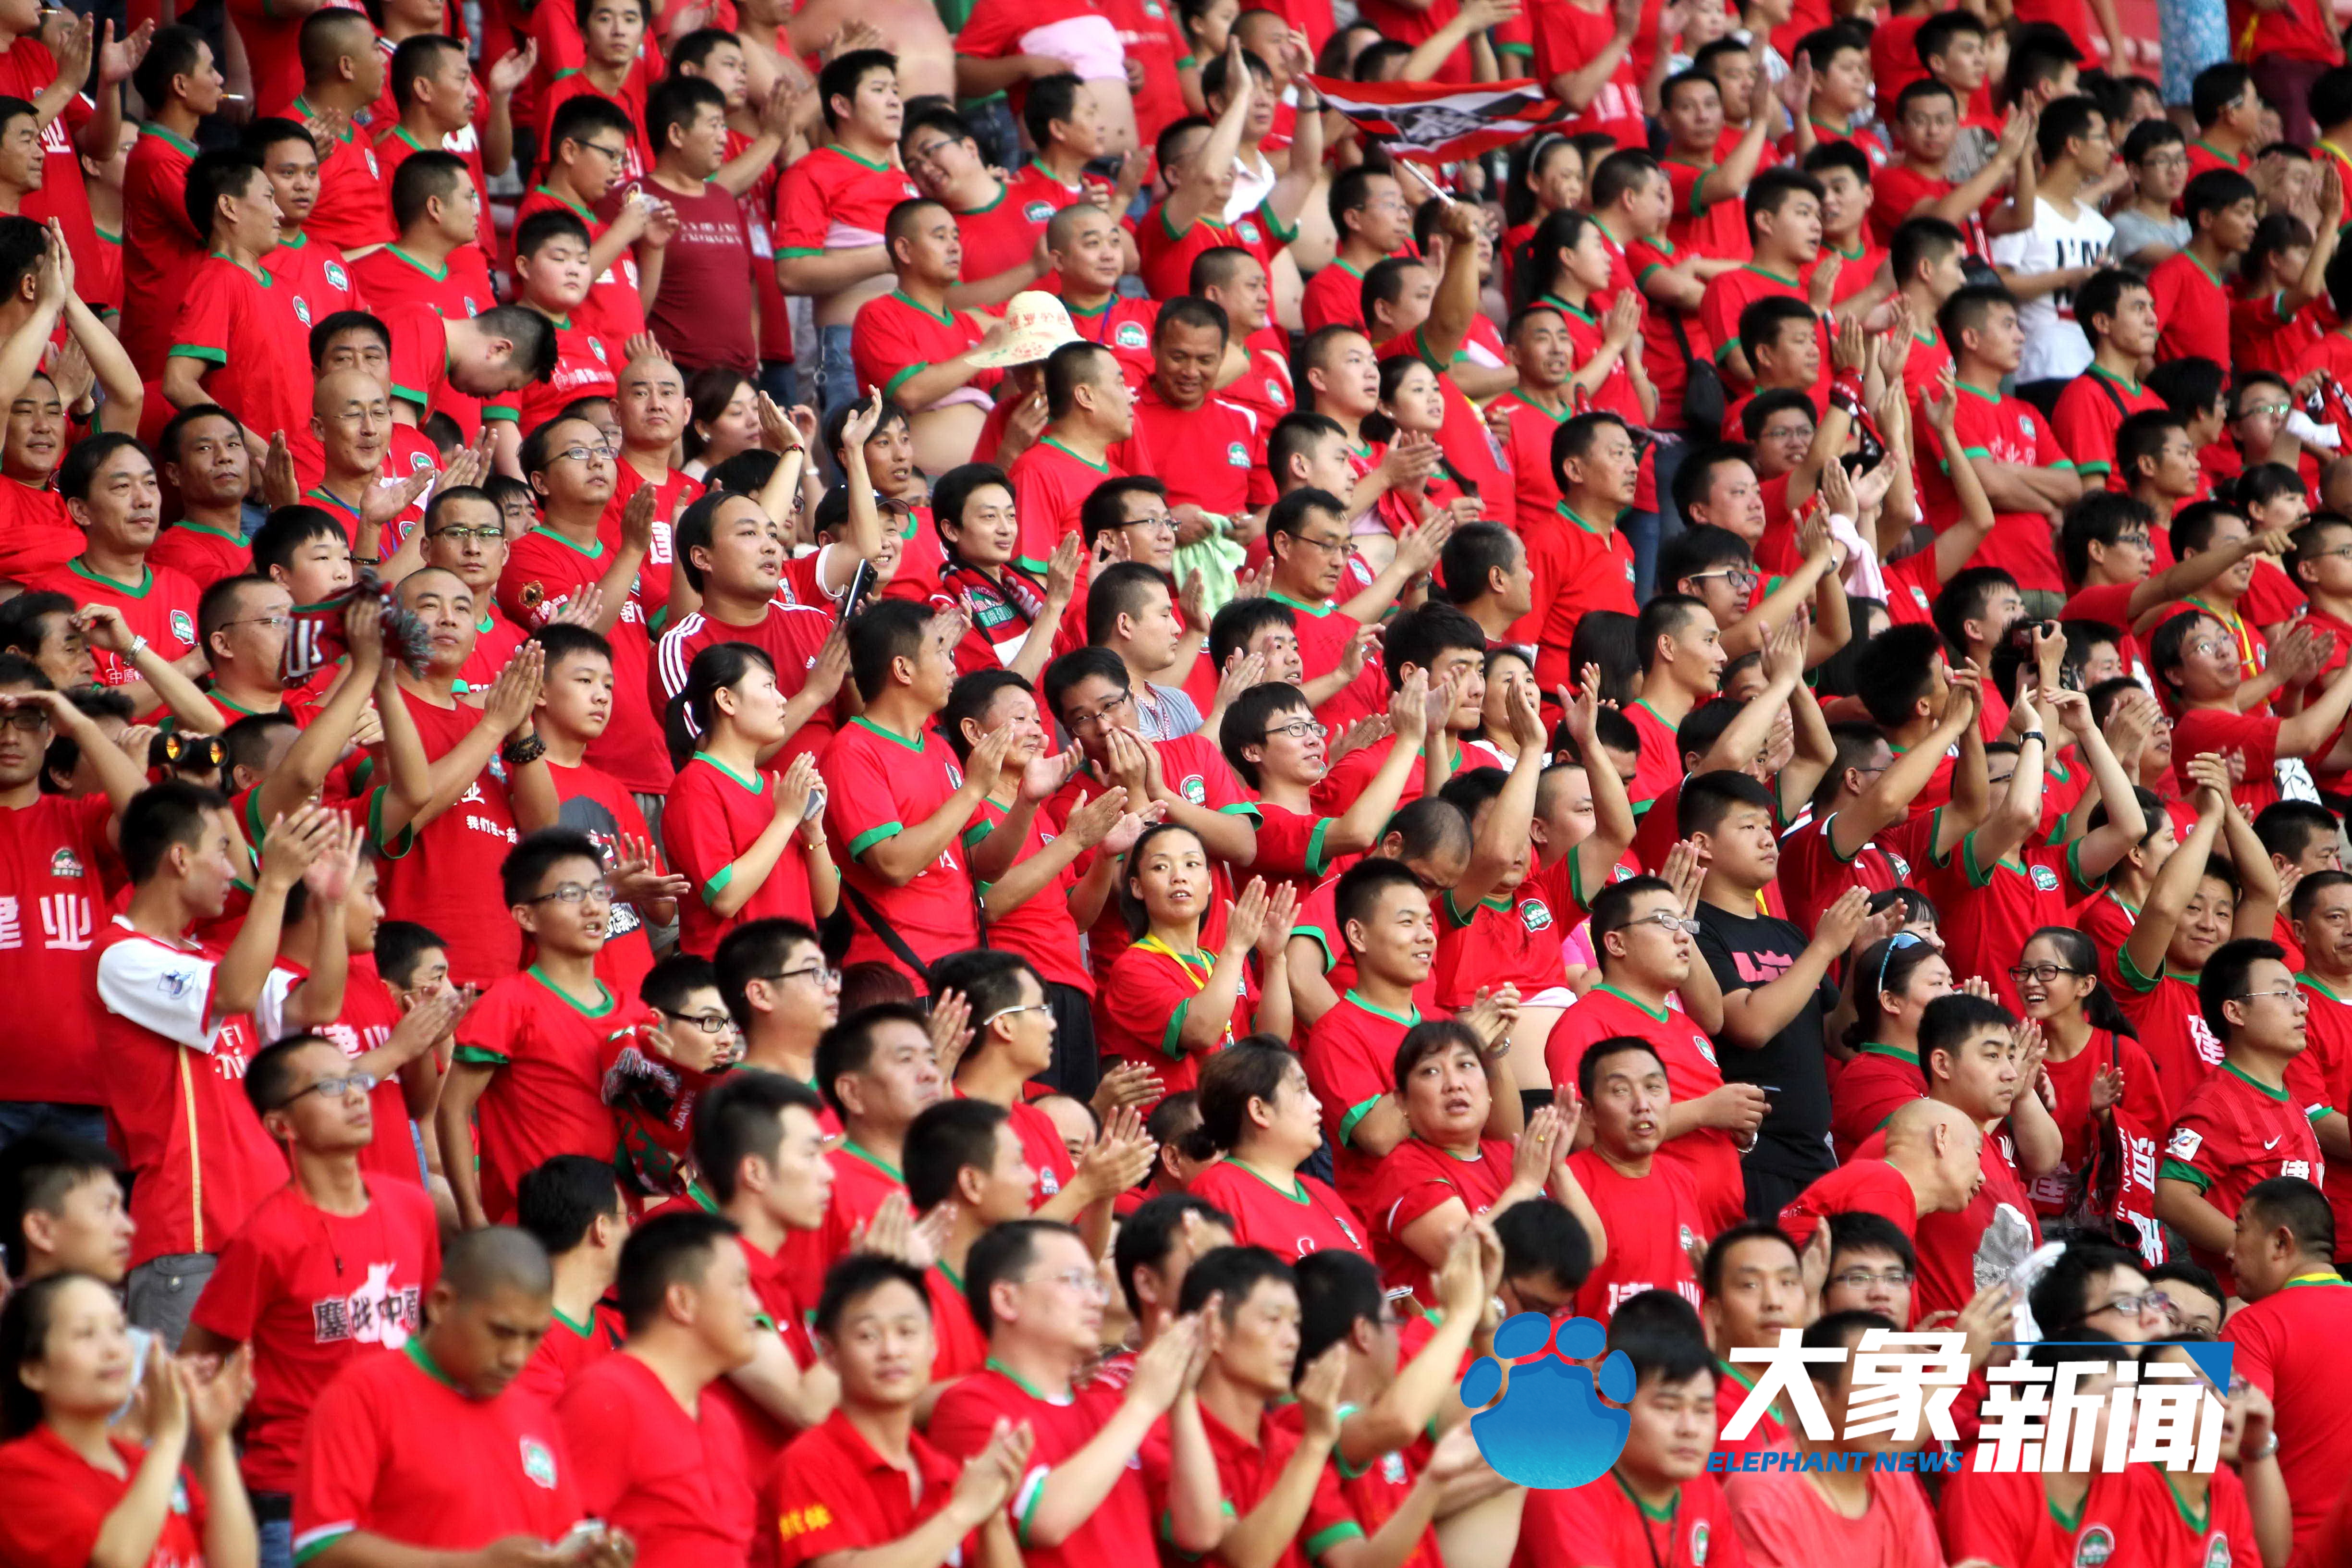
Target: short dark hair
{"points": [[665, 1249], [880, 635], [1894, 670], [1708, 798], [400, 946], [581, 118], [1002, 1252], [87, 456], [558, 1199], [1363, 886], [171, 51], [1950, 1019], [2213, 191], [2216, 87], [1967, 309], [414, 58], [1862, 1231], [1337, 1290], [1770, 191], [1422, 634], [529, 862], [844, 74], [1248, 720], [2060, 1298], [1122, 588], [946, 1139], [675, 100], [1249, 1068], [1231, 1274], [2297, 1205], [1921, 240], [754, 951], [1544, 1238], [2102, 293], [849, 1046], [2099, 518], [1718, 1251], [1588, 1065], [1051, 98], [163, 814], [856, 1276], [1148, 1235], [1104, 508], [742, 1115], [37, 1171], [2226, 976]]}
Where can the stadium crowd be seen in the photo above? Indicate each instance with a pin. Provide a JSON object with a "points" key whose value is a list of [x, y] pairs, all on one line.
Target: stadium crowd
{"points": [[936, 783]]}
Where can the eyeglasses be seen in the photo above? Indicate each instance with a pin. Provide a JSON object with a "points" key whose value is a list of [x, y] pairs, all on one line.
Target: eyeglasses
{"points": [[1342, 546], [1101, 715], [2275, 410], [461, 533], [1016, 1012], [708, 1023], [2257, 995], [1665, 922], [2134, 538], [610, 154], [2039, 974], [587, 454], [1298, 730], [822, 973], [1084, 1280], [1868, 1279], [2133, 1306], [1739, 579], [259, 621], [2206, 648], [2340, 550], [26, 720], [574, 893], [335, 1088]]}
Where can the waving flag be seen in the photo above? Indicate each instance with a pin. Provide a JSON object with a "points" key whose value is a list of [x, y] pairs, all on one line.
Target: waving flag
{"points": [[1443, 122]]}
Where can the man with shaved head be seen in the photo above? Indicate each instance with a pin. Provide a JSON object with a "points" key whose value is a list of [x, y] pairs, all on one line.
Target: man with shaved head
{"points": [[1932, 1164], [424, 1448], [1088, 251], [350, 416], [448, 881]]}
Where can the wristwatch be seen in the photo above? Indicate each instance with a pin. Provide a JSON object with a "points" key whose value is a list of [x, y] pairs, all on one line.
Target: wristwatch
{"points": [[138, 646], [2033, 735]]}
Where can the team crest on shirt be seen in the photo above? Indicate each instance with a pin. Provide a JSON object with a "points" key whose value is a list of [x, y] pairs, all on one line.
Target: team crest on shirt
{"points": [[1237, 455], [1392, 1470], [65, 863], [1272, 390], [1038, 212], [1535, 914], [539, 1463], [1700, 1537], [1687, 1238], [1629, 571], [1705, 1048], [419, 461], [1048, 1182], [955, 776], [2097, 1545], [184, 626], [1919, 597], [596, 346], [301, 310], [1902, 867], [1130, 335], [1247, 229], [2184, 1144], [909, 186], [338, 276], [2217, 1555], [2045, 879], [1194, 789], [471, 309], [368, 154], [1154, 9]]}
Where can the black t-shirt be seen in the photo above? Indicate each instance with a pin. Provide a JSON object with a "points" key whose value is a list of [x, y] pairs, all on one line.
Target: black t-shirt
{"points": [[1746, 951]]}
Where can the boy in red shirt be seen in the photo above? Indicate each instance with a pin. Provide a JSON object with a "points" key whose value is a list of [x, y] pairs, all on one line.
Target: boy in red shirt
{"points": [[434, 1448], [233, 302], [1091, 438], [2191, 301], [1708, 182], [530, 1052], [2242, 1125], [2025, 473], [181, 84], [1085, 1504], [573, 1205], [551, 278], [1657, 1494], [174, 1023], [588, 144], [657, 1454], [1926, 122], [2118, 316], [612, 63], [842, 1486], [329, 1269], [342, 74], [1597, 467]]}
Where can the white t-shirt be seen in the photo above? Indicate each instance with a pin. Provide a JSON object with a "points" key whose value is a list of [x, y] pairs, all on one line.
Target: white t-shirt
{"points": [[2054, 345]]}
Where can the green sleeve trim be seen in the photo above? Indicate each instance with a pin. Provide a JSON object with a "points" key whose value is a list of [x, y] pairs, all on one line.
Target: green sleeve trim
{"points": [[873, 836], [2074, 864], [408, 394], [1357, 1113], [1029, 1509], [1527, 50], [321, 1540], [1454, 916], [1314, 851], [1723, 351], [190, 351], [1976, 875], [976, 831], [718, 884], [1284, 232], [2066, 463], [482, 1056], [794, 250], [890, 387], [2131, 972], [1172, 1039], [1983, 452], [1243, 808], [1321, 938], [504, 415], [1322, 1540], [2094, 467], [2174, 1171]]}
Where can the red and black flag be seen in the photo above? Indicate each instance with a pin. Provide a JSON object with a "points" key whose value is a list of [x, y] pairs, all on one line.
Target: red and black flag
{"points": [[1443, 122]]}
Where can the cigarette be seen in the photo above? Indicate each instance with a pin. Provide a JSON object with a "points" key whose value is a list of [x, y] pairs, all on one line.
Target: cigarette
{"points": [[232, 97]]}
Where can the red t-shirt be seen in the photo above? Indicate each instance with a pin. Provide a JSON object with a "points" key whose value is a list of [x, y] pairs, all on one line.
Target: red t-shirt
{"points": [[546, 1097], [266, 383], [585, 366], [1417, 1177], [370, 1014], [1050, 483], [1168, 256], [1988, 911], [569, 1350], [790, 634], [1593, 564], [894, 338], [614, 310], [159, 249], [1652, 1221], [1601, 1521], [2231, 1132], [1118, 1531], [713, 817], [2288, 1345], [1948, 1244], [1140, 1008], [677, 1483], [1248, 1468], [396, 1448], [1350, 1061], [312, 1292], [354, 206], [1717, 229], [1858, 1186], [2006, 430], [877, 785], [1874, 1085], [1213, 456], [448, 881], [544, 569], [175, 1091], [2252, 737], [830, 1492], [835, 200], [1708, 1156], [2194, 308], [2007, 1517], [1308, 1218], [54, 1504], [51, 854]]}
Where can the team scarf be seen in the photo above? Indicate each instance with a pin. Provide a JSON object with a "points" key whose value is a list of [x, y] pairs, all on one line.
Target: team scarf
{"points": [[1001, 608], [314, 639]]}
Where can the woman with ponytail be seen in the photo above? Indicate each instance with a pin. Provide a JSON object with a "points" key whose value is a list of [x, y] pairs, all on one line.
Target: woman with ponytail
{"points": [[1412, 402], [1894, 981], [1546, 177], [751, 843], [2089, 1054]]}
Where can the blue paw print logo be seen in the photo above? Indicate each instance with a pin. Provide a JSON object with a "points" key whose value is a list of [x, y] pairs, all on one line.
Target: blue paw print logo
{"points": [[1549, 1430]]}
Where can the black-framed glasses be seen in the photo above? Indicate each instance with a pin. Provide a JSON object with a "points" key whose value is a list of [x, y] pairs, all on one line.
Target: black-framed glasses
{"points": [[461, 533], [2039, 974], [822, 973], [335, 1088], [26, 720], [1298, 730], [1101, 715], [575, 893], [610, 154], [707, 1023]]}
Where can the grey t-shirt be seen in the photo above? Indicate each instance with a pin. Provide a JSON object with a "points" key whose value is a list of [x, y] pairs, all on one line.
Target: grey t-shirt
{"points": [[2136, 231]]}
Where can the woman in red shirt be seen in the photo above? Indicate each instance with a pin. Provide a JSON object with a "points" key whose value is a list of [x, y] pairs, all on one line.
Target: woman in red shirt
{"points": [[1413, 404], [1167, 1002], [66, 1482]]}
